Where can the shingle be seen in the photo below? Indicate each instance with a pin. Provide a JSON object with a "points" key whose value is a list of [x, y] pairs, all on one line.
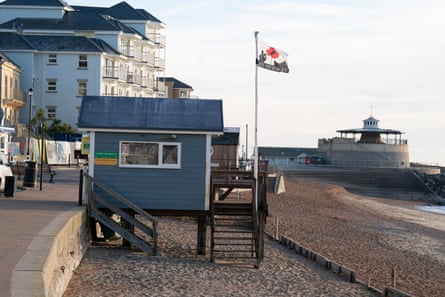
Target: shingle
{"points": [[71, 21], [53, 43], [122, 11], [51, 3], [14, 41], [131, 113]]}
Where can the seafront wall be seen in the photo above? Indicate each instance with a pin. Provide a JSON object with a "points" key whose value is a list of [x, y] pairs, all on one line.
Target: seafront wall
{"points": [[53, 255]]}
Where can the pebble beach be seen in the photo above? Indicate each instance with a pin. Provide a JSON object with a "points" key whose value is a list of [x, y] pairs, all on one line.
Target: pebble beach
{"points": [[369, 235], [109, 270]]}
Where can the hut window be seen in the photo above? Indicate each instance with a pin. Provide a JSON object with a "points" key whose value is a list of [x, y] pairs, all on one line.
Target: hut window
{"points": [[150, 154], [169, 154]]}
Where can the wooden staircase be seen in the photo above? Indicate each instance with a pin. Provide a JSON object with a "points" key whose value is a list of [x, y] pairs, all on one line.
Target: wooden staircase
{"points": [[233, 232], [236, 228], [99, 208]]}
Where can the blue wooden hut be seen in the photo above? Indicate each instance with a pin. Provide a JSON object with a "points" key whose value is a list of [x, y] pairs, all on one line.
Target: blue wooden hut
{"points": [[152, 156], [156, 152]]}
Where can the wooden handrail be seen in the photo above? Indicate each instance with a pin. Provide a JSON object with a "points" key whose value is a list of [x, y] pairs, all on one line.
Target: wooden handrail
{"points": [[125, 201], [94, 211]]}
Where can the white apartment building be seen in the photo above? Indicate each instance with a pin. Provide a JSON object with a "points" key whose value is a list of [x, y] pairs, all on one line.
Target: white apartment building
{"points": [[66, 52]]}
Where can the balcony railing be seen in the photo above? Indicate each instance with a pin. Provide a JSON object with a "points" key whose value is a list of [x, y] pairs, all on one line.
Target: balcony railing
{"points": [[150, 58], [17, 98], [127, 50], [110, 72], [159, 63], [159, 86], [122, 74], [110, 94], [146, 82], [158, 39], [130, 78], [134, 78]]}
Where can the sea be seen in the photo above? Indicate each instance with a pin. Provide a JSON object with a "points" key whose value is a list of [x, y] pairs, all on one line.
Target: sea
{"points": [[433, 208]]}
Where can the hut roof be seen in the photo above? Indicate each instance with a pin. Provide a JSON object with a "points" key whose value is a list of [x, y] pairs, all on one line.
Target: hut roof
{"points": [[152, 114]]}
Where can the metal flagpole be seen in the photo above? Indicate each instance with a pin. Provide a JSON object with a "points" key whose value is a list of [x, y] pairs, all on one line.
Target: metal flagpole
{"points": [[256, 122]]}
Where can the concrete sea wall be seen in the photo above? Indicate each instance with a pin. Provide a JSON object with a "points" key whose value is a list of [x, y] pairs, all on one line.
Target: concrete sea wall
{"points": [[53, 255]]}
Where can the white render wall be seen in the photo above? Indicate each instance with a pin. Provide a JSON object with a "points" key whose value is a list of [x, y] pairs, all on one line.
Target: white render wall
{"points": [[343, 153], [67, 74]]}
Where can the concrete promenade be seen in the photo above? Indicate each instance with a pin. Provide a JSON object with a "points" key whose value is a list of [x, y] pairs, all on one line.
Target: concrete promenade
{"points": [[29, 211]]}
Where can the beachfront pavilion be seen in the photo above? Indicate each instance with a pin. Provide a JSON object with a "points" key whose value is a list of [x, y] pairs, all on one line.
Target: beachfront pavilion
{"points": [[371, 133], [369, 146]]}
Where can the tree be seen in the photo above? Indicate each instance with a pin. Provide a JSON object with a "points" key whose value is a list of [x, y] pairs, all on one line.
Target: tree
{"points": [[54, 127], [57, 127]]}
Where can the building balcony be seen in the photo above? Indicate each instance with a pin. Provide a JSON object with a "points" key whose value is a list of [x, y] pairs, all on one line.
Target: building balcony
{"points": [[16, 100], [110, 72], [134, 79], [159, 64], [159, 87], [111, 94], [127, 50], [158, 39], [146, 82], [149, 58]]}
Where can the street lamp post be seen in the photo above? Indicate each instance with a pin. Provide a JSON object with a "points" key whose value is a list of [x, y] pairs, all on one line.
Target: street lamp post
{"points": [[42, 150], [30, 92]]}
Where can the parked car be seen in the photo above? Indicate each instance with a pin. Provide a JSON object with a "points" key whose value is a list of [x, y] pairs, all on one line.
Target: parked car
{"points": [[316, 159], [5, 170]]}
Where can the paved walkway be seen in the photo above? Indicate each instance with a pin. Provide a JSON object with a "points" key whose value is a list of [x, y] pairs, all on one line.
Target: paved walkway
{"points": [[28, 212]]}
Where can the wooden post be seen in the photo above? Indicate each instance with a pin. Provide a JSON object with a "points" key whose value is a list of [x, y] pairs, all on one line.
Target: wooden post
{"points": [[202, 234], [261, 218], [394, 276], [277, 222], [79, 202], [127, 225], [93, 229]]}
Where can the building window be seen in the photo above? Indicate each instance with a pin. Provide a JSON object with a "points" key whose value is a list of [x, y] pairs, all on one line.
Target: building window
{"points": [[81, 88], [183, 94], [52, 86], [52, 59], [83, 61], [109, 70], [51, 112], [5, 93], [134, 154]]}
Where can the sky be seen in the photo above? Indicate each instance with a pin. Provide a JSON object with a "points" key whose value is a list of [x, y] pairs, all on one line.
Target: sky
{"points": [[348, 59]]}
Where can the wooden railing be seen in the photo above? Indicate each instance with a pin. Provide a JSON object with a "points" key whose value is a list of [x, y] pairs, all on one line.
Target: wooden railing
{"points": [[96, 204], [227, 180]]}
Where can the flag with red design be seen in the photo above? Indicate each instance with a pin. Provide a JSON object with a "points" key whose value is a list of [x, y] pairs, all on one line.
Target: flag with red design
{"points": [[271, 58]]}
